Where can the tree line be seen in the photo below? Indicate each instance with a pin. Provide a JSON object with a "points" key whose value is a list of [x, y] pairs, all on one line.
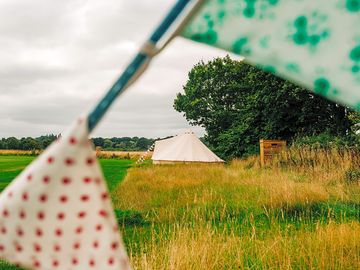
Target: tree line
{"points": [[124, 143], [238, 104], [115, 143], [27, 143]]}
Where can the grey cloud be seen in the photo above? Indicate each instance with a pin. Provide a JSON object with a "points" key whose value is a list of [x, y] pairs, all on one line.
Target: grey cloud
{"points": [[57, 58]]}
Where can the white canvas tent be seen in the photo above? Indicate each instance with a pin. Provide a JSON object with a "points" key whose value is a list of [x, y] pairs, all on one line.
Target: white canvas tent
{"points": [[183, 148]]}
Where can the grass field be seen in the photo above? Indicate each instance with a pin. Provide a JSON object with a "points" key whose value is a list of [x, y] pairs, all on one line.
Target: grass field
{"points": [[301, 213], [241, 216], [10, 166]]}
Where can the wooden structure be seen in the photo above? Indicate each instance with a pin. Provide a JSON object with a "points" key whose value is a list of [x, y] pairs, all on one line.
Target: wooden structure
{"points": [[270, 148]]}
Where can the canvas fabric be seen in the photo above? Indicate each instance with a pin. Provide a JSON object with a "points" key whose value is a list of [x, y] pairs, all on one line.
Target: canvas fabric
{"points": [[57, 213], [183, 148], [313, 43]]}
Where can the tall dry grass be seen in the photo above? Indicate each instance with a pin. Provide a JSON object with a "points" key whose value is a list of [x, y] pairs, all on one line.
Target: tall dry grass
{"points": [[99, 153], [8, 152], [327, 247], [241, 216], [120, 154]]}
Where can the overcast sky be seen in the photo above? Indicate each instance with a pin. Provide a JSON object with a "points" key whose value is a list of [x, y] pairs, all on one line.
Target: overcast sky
{"points": [[57, 58]]}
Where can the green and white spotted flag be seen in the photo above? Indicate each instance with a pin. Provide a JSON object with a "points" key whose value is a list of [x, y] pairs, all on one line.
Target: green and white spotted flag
{"points": [[315, 43]]}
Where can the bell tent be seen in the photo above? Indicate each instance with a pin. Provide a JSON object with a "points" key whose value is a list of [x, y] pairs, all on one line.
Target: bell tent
{"points": [[185, 147]]}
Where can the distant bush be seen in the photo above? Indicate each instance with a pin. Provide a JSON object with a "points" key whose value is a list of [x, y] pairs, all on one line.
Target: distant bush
{"points": [[123, 143], [327, 141]]}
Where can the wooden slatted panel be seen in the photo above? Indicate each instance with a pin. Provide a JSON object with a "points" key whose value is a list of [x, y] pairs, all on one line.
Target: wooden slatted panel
{"points": [[270, 148]]}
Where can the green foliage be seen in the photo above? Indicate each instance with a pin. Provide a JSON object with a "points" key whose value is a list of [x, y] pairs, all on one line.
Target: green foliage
{"points": [[124, 143], [239, 104], [6, 266], [27, 143], [328, 141], [10, 143]]}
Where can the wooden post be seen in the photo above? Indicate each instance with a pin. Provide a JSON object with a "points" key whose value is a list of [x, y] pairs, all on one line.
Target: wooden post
{"points": [[270, 148]]}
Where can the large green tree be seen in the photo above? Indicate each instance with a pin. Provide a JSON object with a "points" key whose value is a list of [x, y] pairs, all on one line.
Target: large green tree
{"points": [[238, 104]]}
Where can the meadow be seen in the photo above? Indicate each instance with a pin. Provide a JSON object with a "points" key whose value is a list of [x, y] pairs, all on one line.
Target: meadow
{"points": [[303, 212]]}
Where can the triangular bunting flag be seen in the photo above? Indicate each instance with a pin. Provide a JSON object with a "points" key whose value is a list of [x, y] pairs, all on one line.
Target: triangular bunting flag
{"points": [[57, 213], [313, 43]]}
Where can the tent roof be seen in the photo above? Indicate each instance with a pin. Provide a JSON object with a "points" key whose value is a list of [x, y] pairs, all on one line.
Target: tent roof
{"points": [[185, 147]]}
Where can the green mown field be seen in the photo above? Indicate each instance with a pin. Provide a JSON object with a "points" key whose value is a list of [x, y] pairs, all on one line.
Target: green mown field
{"points": [[10, 166]]}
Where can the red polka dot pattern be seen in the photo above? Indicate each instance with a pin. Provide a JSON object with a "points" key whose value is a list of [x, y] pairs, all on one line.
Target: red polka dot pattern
{"points": [[61, 216], [96, 244], [38, 232], [60, 204], [41, 215], [87, 180], [66, 180], [81, 214], [22, 214], [46, 179], [74, 261], [57, 248], [5, 213], [76, 245], [63, 198], [90, 161], [20, 232], [72, 140], [25, 196], [69, 161], [78, 230], [43, 198], [84, 198], [37, 248]]}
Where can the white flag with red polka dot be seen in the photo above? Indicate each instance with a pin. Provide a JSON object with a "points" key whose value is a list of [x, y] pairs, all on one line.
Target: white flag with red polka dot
{"points": [[57, 213]]}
